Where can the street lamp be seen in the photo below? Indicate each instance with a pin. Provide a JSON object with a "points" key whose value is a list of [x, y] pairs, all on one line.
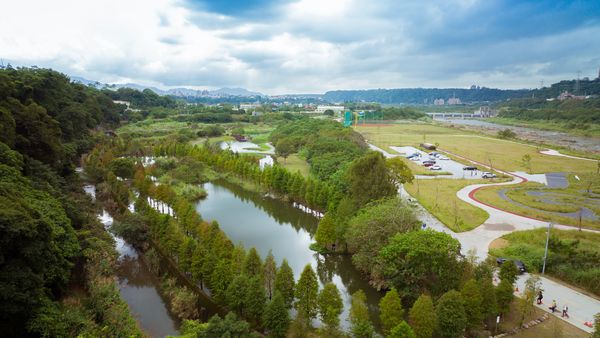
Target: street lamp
{"points": [[546, 251]]}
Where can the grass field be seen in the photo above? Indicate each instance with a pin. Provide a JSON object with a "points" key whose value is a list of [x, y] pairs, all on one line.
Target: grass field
{"points": [[576, 265], [502, 154], [570, 200], [295, 163], [438, 196]]}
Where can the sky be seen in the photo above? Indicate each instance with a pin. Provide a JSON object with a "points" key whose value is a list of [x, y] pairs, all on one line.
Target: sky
{"points": [[306, 46]]}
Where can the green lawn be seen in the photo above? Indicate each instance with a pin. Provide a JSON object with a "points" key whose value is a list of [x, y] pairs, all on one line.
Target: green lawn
{"points": [[295, 163], [438, 196], [502, 154]]}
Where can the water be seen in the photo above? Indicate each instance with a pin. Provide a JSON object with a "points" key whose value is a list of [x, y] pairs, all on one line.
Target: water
{"points": [[269, 224], [581, 143], [138, 286]]}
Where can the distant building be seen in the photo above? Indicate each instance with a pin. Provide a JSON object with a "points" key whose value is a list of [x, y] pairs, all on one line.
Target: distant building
{"points": [[246, 106], [439, 102], [568, 96], [486, 111], [453, 100], [257, 113], [266, 161], [336, 109]]}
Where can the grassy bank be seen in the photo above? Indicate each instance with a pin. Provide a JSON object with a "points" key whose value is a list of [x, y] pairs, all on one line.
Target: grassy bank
{"points": [[573, 256], [503, 154], [438, 196]]}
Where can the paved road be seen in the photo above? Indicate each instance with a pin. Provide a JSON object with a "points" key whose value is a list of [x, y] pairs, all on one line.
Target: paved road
{"points": [[581, 307]]}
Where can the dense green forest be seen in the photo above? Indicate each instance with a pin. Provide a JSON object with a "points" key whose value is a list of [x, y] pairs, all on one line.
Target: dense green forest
{"points": [[582, 87], [140, 99], [423, 95], [50, 241]]}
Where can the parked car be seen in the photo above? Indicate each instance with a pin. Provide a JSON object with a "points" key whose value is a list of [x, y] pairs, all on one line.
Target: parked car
{"points": [[488, 175], [433, 153], [519, 264], [435, 167], [416, 158], [443, 158], [428, 164], [469, 168]]}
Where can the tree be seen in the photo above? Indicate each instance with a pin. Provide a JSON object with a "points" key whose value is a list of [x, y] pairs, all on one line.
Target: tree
{"points": [[255, 299], [506, 134], [489, 306], [419, 261], [325, 235], [508, 272], [390, 310], [533, 286], [372, 228], [284, 148], [422, 317], [306, 294], [472, 298], [253, 264], [285, 283], [596, 333], [230, 326], [276, 318], [270, 271], [369, 179], [504, 295], [328, 112], [402, 330], [220, 279], [360, 323], [330, 306], [450, 313], [400, 173], [236, 294], [526, 162]]}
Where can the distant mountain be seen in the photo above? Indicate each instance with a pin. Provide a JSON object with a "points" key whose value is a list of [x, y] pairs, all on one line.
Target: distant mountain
{"points": [[177, 92], [424, 95]]}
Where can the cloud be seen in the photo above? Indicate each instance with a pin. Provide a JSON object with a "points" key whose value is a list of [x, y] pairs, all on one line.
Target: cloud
{"points": [[277, 46]]}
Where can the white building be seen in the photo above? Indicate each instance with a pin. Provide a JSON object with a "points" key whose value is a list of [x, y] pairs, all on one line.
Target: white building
{"points": [[336, 109], [439, 102], [453, 101], [250, 106], [265, 161]]}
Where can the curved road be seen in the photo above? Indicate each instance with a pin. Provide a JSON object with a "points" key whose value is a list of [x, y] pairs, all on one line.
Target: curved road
{"points": [[581, 307]]}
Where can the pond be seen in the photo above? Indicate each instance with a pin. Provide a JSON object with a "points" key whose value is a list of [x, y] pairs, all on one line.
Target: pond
{"points": [[267, 224]]}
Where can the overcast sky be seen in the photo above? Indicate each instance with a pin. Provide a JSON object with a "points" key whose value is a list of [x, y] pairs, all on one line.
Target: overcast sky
{"points": [[306, 46]]}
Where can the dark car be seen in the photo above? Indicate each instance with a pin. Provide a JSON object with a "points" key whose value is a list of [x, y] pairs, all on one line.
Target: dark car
{"points": [[469, 168], [519, 264], [428, 164]]}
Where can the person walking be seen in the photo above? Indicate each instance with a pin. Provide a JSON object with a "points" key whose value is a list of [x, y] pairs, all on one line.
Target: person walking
{"points": [[540, 297], [565, 311], [553, 306]]}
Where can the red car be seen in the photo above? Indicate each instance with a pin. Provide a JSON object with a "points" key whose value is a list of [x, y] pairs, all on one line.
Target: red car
{"points": [[428, 164]]}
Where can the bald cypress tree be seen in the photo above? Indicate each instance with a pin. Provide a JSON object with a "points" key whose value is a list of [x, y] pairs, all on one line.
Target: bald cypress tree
{"points": [[306, 294]]}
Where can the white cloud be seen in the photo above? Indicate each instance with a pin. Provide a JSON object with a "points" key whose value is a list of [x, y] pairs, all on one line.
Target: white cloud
{"points": [[303, 46]]}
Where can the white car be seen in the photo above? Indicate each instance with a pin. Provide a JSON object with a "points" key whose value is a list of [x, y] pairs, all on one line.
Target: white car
{"points": [[443, 158], [435, 167], [488, 175]]}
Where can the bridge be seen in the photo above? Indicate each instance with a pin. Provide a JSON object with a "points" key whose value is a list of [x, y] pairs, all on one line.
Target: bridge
{"points": [[445, 115]]}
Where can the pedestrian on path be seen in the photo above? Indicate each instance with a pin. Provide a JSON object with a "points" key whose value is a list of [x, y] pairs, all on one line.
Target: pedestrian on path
{"points": [[540, 297], [565, 310], [553, 306]]}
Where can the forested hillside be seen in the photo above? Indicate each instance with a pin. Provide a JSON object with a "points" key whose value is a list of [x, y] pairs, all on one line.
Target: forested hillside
{"points": [[578, 113], [55, 257], [423, 95]]}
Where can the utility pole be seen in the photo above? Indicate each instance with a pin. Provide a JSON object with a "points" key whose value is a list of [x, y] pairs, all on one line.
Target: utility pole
{"points": [[546, 251]]}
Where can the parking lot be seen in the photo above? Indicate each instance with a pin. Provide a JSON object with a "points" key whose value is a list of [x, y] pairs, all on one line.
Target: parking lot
{"points": [[449, 165]]}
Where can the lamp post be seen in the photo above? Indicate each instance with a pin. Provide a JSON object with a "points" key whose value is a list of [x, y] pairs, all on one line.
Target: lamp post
{"points": [[546, 251]]}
